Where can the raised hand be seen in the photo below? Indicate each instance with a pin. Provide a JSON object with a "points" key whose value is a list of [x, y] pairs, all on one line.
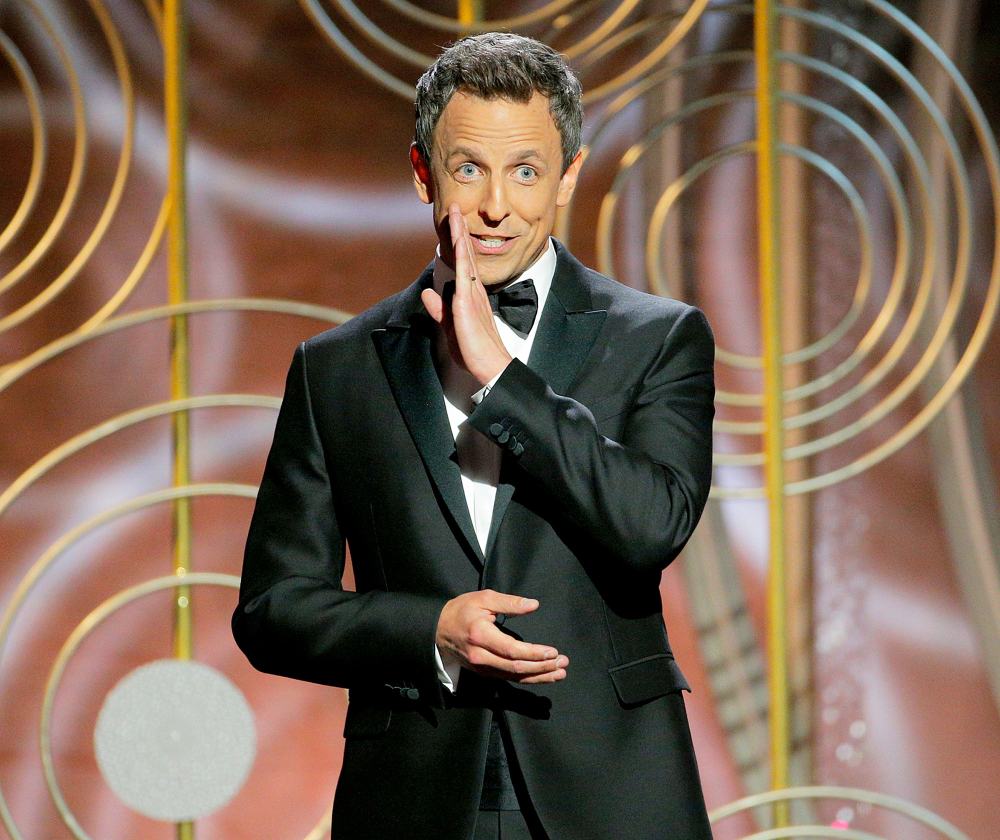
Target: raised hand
{"points": [[467, 628], [472, 334]]}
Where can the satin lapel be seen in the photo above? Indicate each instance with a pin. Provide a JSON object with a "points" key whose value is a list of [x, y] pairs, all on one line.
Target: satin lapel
{"points": [[567, 330], [565, 335], [405, 348]]}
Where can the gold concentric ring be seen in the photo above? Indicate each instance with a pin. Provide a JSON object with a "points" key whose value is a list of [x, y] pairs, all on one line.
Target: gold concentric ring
{"points": [[597, 39], [888, 311], [916, 813], [72, 193], [39, 140], [98, 615], [67, 275], [12, 373], [509, 24], [916, 251]]}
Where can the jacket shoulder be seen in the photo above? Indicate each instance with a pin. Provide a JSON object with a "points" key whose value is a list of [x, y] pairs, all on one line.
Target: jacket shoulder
{"points": [[639, 308], [620, 300], [358, 329]]}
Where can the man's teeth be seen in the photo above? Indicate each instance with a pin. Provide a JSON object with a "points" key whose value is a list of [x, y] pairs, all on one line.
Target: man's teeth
{"points": [[491, 243]]}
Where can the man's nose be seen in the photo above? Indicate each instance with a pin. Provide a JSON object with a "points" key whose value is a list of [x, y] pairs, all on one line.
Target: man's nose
{"points": [[494, 207]]}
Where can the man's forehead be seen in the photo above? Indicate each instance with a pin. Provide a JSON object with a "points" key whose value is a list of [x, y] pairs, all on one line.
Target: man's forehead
{"points": [[475, 150], [468, 119], [470, 95]]}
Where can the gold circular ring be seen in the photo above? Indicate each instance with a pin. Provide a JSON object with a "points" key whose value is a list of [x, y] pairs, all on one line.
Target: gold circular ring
{"points": [[598, 39], [915, 260], [123, 73], [908, 809]]}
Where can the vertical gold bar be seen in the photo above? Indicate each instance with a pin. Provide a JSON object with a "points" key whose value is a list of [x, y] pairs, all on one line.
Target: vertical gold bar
{"points": [[174, 34], [796, 245], [768, 222], [175, 105], [470, 11]]}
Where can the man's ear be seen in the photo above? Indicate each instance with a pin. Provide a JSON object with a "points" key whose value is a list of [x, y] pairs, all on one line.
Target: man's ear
{"points": [[567, 183], [421, 175]]}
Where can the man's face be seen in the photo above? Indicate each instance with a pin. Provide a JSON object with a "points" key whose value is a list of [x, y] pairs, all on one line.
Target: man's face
{"points": [[501, 162]]}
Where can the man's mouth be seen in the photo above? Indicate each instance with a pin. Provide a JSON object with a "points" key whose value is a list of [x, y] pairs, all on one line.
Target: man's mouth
{"points": [[489, 244]]}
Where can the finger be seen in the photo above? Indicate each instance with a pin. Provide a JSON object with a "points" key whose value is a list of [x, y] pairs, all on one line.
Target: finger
{"points": [[465, 261], [491, 638], [433, 304], [456, 224], [550, 677], [469, 253], [485, 661], [500, 602], [476, 284]]}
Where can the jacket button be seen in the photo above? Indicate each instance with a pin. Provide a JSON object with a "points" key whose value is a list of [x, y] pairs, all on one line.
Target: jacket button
{"points": [[412, 694], [517, 448], [495, 429], [504, 436]]}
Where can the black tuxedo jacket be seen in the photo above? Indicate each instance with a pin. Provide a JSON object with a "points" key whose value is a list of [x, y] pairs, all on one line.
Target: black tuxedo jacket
{"points": [[607, 459]]}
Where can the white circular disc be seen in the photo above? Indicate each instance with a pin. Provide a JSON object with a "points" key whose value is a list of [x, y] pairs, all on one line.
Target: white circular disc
{"points": [[175, 740]]}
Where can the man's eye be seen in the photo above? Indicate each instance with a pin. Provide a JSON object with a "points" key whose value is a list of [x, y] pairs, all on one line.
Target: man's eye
{"points": [[467, 170], [525, 173]]}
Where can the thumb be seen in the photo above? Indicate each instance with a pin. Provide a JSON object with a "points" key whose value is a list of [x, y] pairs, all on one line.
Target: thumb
{"points": [[433, 304]]}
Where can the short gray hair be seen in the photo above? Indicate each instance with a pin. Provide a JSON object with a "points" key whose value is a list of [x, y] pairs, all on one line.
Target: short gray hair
{"points": [[501, 65]]}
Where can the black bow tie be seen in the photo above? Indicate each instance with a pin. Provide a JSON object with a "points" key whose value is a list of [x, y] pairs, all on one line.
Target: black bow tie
{"points": [[517, 304]]}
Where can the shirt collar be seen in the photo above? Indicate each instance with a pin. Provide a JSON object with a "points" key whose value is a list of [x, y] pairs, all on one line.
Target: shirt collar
{"points": [[541, 271]]}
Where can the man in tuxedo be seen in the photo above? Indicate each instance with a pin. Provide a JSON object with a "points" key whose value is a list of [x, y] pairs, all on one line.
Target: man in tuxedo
{"points": [[513, 447]]}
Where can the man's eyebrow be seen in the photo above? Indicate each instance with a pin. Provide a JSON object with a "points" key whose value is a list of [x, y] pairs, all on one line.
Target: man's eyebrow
{"points": [[463, 151], [524, 154], [472, 154]]}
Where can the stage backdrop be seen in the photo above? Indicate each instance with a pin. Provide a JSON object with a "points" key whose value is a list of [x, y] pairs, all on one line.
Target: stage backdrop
{"points": [[187, 192]]}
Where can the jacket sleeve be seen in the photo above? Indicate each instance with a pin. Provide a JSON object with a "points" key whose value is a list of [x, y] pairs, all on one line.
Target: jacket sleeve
{"points": [[637, 498], [294, 618]]}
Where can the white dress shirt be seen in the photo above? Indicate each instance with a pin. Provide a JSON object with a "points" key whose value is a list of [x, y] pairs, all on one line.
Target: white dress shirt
{"points": [[478, 456]]}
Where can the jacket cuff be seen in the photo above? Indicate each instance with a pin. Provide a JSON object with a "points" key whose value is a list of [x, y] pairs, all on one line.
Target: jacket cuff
{"points": [[518, 392]]}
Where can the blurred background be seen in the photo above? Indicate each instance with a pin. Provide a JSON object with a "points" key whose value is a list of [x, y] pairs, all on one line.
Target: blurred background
{"points": [[145, 330]]}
